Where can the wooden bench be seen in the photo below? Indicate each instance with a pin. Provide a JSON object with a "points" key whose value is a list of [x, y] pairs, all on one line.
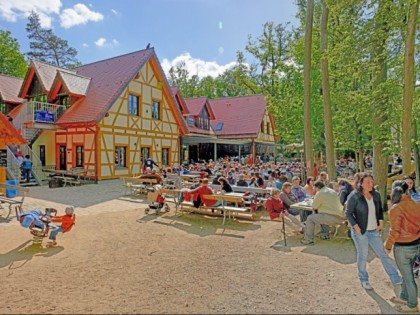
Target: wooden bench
{"points": [[137, 185], [231, 211], [15, 203]]}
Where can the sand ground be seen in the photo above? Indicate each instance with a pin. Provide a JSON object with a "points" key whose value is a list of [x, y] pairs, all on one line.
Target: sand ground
{"points": [[119, 260]]}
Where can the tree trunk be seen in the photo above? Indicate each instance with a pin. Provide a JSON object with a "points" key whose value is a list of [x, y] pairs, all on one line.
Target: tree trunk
{"points": [[416, 153], [406, 123], [309, 162], [329, 137], [379, 58]]}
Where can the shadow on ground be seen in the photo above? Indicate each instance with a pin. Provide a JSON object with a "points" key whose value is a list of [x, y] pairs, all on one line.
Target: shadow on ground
{"points": [[341, 250], [204, 225], [76, 195], [19, 256]]}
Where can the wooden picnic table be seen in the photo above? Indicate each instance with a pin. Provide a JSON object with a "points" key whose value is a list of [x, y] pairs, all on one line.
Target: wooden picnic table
{"points": [[15, 202], [67, 176], [226, 198], [305, 205]]}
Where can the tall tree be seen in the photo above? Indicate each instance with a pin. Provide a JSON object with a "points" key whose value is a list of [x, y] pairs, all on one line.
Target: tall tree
{"points": [[12, 62], [409, 79], [309, 163], [329, 138], [46, 46], [380, 96]]}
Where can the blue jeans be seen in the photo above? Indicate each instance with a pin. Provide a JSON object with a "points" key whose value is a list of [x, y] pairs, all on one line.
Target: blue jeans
{"points": [[26, 174], [54, 232], [374, 240], [404, 257]]}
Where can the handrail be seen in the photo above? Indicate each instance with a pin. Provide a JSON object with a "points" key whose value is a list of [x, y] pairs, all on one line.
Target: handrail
{"points": [[44, 112], [36, 163], [13, 165]]}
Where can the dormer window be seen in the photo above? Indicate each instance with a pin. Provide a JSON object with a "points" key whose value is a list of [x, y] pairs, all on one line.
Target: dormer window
{"points": [[64, 100]]}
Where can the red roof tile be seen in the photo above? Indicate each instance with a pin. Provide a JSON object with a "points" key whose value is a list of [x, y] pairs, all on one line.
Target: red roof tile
{"points": [[241, 116], [8, 132], [108, 79], [9, 89], [176, 92], [195, 105]]}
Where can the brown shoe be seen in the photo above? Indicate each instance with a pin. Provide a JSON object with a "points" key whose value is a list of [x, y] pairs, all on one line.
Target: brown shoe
{"points": [[406, 309], [397, 300]]}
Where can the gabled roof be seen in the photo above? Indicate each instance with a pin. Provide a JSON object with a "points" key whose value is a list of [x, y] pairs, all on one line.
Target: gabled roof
{"points": [[74, 84], [8, 133], [45, 72], [176, 92], [195, 105], [9, 89], [241, 116], [109, 78]]}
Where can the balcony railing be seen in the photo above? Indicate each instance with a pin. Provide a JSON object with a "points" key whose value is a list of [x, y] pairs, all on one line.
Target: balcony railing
{"points": [[46, 113]]}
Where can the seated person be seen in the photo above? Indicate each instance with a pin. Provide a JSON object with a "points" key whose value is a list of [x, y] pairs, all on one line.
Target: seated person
{"points": [[216, 179], [259, 180], [202, 190], [32, 219], [328, 211], [288, 198], [241, 181], [225, 185], [67, 221], [277, 210]]}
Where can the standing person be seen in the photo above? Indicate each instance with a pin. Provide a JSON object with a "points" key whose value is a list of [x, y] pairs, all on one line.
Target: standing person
{"points": [[149, 163], [404, 237], [26, 168], [19, 156], [366, 216]]}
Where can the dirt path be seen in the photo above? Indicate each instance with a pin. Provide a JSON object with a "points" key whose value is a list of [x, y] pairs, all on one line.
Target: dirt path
{"points": [[117, 260]]}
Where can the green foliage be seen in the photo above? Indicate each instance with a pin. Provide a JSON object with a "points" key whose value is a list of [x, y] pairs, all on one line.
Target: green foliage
{"points": [[12, 62], [45, 46]]}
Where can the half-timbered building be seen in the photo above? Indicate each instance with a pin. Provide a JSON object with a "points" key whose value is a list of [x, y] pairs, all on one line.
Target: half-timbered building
{"points": [[106, 117]]}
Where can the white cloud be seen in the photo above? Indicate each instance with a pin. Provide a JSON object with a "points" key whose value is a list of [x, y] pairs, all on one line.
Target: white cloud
{"points": [[85, 45], [197, 67], [114, 11], [12, 10], [102, 42], [79, 14]]}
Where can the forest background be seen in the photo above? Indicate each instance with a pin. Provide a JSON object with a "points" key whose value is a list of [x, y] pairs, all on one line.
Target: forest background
{"points": [[344, 79]]}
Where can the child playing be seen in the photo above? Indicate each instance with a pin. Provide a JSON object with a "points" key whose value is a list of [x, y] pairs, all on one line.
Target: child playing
{"points": [[67, 222]]}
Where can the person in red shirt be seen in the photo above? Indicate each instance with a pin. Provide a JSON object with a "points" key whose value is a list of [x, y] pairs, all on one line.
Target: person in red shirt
{"points": [[204, 189], [67, 222], [277, 211]]}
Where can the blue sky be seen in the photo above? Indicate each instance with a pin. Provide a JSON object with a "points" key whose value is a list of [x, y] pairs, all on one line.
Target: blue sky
{"points": [[205, 34]]}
